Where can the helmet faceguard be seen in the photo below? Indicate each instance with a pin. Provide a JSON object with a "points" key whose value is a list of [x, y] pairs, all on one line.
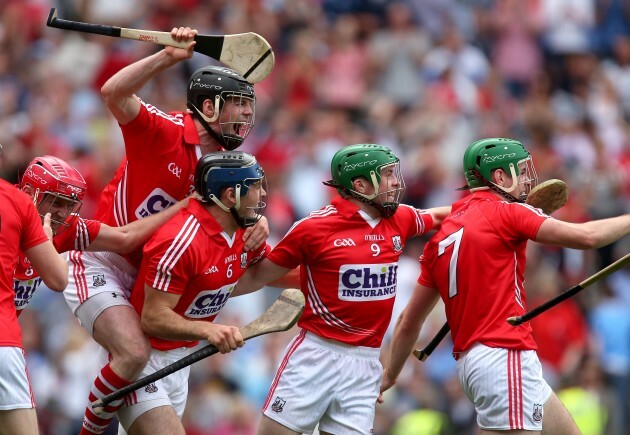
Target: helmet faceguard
{"points": [[57, 188], [223, 86], [372, 162], [485, 156], [217, 171]]}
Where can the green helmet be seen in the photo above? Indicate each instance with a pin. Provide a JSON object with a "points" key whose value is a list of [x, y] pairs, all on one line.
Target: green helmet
{"points": [[367, 161], [484, 156]]}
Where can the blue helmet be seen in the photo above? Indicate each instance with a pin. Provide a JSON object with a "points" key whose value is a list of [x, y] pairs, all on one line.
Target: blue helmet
{"points": [[219, 170]]}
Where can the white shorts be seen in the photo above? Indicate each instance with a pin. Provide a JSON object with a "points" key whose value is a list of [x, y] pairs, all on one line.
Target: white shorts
{"points": [[506, 386], [326, 382], [97, 273], [15, 388], [169, 391]]}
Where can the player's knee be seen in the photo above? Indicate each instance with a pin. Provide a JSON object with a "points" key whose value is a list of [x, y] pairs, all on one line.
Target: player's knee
{"points": [[134, 354], [139, 355]]}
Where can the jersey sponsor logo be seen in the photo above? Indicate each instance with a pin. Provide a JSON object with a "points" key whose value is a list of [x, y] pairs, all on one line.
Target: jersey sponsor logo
{"points": [[231, 258], [98, 280], [212, 270], [208, 302], [397, 243], [367, 282], [344, 242], [278, 404], [490, 159], [174, 169], [24, 289], [157, 201]]}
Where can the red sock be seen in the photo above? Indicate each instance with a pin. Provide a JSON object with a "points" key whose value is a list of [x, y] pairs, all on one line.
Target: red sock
{"points": [[105, 383]]}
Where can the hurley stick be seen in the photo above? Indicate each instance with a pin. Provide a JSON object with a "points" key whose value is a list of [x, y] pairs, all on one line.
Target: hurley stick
{"points": [[281, 316], [423, 354], [249, 54], [517, 320]]}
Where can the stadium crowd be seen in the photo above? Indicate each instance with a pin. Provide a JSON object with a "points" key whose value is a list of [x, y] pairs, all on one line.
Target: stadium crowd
{"points": [[424, 77]]}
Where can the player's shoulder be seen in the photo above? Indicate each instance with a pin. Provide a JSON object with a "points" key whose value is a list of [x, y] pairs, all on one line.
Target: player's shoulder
{"points": [[14, 194], [524, 207], [174, 118], [406, 210], [183, 224], [317, 219]]}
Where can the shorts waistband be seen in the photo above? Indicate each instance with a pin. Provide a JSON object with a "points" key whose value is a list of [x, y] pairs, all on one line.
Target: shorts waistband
{"points": [[175, 354], [343, 348], [114, 259]]}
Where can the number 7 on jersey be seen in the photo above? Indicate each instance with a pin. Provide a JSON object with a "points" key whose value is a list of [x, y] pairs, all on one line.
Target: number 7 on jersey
{"points": [[455, 238]]}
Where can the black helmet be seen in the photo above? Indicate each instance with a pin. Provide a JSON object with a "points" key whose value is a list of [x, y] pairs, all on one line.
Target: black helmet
{"points": [[221, 169], [219, 83]]}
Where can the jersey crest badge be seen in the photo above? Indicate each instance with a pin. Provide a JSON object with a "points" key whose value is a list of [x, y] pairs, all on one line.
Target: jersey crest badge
{"points": [[397, 243], [243, 260], [538, 412], [98, 281], [278, 405]]}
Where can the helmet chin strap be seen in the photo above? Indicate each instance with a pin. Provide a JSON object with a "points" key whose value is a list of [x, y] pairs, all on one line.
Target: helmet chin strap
{"points": [[241, 221], [366, 199], [514, 182], [205, 121], [497, 189]]}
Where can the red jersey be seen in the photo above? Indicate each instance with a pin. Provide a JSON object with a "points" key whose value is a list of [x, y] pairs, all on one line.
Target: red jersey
{"points": [[477, 262], [77, 237], [20, 229], [193, 257], [349, 268], [159, 168]]}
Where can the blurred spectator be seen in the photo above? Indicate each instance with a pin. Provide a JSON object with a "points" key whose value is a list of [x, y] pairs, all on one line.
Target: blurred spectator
{"points": [[424, 77], [610, 322], [587, 400]]}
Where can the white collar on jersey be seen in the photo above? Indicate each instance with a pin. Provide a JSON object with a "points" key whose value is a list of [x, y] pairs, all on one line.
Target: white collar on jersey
{"points": [[228, 239], [371, 222]]}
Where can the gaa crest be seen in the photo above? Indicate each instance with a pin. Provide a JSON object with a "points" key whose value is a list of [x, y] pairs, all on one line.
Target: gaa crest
{"points": [[278, 405], [538, 412], [243, 260], [397, 243]]}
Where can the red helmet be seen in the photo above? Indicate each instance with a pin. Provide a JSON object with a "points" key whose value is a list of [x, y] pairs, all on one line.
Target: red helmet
{"points": [[58, 188]]}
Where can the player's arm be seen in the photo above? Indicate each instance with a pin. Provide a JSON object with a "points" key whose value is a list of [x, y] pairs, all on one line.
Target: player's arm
{"points": [[130, 237], [439, 214], [119, 91], [588, 235], [51, 267], [256, 235], [406, 332], [160, 320], [290, 280], [263, 273]]}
